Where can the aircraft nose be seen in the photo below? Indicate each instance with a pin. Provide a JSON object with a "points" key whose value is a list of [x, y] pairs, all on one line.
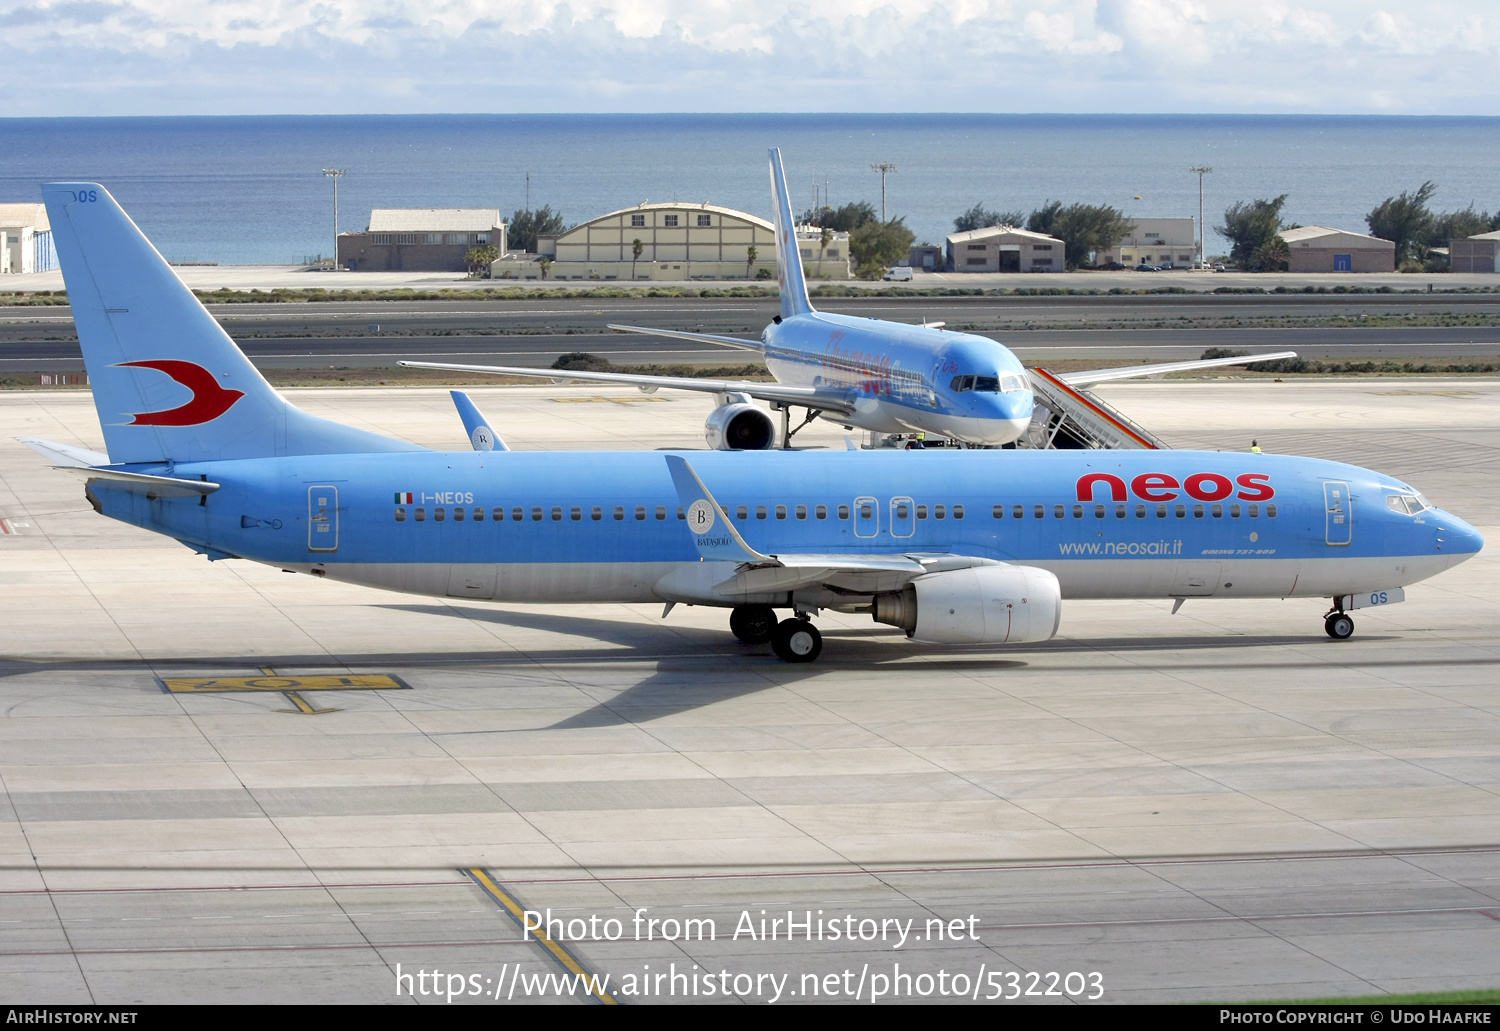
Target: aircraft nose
{"points": [[1457, 537]]}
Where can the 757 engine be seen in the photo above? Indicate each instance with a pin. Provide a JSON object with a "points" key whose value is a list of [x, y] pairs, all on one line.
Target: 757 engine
{"points": [[740, 425], [983, 605]]}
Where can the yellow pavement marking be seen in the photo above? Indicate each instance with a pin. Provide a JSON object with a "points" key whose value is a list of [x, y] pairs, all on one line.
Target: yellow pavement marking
{"points": [[558, 951], [302, 705], [351, 682]]}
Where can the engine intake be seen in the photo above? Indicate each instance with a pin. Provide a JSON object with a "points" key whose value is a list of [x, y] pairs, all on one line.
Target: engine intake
{"points": [[983, 605], [741, 426]]}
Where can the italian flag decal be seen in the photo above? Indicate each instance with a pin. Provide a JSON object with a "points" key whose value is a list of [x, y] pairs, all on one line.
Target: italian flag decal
{"points": [[403, 498]]}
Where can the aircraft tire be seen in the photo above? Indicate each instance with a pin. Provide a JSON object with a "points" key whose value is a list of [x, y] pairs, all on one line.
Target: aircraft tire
{"points": [[752, 624], [1339, 626], [796, 640]]}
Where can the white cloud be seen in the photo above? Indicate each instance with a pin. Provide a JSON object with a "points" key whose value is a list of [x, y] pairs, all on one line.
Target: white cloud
{"points": [[163, 56]]}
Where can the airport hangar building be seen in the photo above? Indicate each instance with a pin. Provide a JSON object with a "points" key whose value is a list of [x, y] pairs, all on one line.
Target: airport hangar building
{"points": [[1322, 249], [1005, 249], [421, 239], [677, 241], [1474, 253], [26, 239]]}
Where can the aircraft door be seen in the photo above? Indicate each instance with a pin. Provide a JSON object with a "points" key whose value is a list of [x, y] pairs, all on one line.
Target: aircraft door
{"points": [[322, 519], [1340, 514], [866, 517], [902, 523]]}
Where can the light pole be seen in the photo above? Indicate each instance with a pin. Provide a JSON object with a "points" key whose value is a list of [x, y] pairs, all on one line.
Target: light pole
{"points": [[335, 174], [884, 168], [1202, 170]]}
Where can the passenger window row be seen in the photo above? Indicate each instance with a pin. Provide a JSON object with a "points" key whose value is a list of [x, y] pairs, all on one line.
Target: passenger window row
{"points": [[641, 513], [1122, 511], [538, 514]]}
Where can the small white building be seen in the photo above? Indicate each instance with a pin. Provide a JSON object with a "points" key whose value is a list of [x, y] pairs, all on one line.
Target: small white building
{"points": [[1005, 249], [26, 239], [1156, 241], [1323, 249], [1474, 253], [421, 239]]}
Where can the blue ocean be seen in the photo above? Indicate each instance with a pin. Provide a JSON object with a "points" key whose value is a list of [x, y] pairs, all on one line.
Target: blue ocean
{"points": [[250, 190]]}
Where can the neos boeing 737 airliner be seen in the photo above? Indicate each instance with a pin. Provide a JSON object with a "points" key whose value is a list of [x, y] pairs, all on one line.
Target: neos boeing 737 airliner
{"points": [[972, 546], [888, 377]]}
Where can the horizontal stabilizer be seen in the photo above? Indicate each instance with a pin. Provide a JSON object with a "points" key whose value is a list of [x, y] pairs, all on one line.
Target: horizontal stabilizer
{"points": [[481, 435], [143, 483], [65, 454], [677, 334], [1088, 379]]}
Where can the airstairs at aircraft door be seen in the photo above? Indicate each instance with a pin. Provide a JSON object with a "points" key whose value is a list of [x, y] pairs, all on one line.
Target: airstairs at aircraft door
{"points": [[1067, 417]]}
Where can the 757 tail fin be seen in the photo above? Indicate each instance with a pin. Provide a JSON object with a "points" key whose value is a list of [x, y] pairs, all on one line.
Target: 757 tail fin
{"points": [[794, 299], [169, 383]]}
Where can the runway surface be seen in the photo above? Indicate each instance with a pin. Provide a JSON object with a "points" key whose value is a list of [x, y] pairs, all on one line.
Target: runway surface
{"points": [[534, 333], [1217, 805]]}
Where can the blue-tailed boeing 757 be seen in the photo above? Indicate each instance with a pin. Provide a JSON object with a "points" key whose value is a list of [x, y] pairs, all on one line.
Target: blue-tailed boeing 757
{"points": [[974, 546], [888, 377]]}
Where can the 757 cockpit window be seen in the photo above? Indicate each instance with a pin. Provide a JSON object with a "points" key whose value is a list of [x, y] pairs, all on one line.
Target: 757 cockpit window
{"points": [[1407, 504], [987, 384]]}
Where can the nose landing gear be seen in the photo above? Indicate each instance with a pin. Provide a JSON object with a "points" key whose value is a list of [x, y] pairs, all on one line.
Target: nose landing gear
{"points": [[1338, 624]]}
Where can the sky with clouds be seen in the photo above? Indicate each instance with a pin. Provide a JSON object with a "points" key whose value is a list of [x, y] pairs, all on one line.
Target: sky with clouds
{"points": [[118, 57]]}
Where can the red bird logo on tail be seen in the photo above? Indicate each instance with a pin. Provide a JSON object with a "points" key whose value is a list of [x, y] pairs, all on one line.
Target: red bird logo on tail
{"points": [[209, 399]]}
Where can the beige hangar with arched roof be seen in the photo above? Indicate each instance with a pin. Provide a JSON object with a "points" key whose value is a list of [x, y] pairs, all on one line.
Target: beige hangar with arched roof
{"points": [[680, 241]]}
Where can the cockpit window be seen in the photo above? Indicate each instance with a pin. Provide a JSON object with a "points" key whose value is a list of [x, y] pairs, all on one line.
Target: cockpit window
{"points": [[1407, 504], [987, 384]]}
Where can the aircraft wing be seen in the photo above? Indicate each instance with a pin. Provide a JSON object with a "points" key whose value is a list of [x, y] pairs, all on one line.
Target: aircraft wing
{"points": [[840, 401], [675, 334], [717, 540], [1088, 379]]}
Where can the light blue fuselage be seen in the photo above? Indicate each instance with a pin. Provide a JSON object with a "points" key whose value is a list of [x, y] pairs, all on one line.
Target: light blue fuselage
{"points": [[903, 375], [605, 526]]}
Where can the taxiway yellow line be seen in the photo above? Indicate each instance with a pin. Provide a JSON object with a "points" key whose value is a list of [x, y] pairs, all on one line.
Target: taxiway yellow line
{"points": [[558, 951]]}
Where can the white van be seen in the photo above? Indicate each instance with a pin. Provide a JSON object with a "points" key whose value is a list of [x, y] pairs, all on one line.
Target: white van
{"points": [[899, 274]]}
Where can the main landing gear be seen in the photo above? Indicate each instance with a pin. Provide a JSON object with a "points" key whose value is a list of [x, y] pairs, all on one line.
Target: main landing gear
{"points": [[793, 640], [1338, 624]]}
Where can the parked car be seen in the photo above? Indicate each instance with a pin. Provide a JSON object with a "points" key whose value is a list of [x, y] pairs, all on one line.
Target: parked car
{"points": [[899, 274], [1143, 267], [1219, 267], [1110, 266]]}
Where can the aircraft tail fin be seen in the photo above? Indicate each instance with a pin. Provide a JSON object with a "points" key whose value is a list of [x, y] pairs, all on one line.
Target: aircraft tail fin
{"points": [[794, 299], [168, 382]]}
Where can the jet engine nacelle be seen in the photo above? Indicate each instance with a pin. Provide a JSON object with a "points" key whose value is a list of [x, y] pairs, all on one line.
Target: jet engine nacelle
{"points": [[983, 605], [741, 426]]}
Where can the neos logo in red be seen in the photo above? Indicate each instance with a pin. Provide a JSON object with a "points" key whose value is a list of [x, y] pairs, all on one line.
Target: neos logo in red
{"points": [[1164, 487], [209, 400]]}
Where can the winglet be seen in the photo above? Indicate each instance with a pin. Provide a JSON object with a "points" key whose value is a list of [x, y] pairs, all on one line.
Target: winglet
{"points": [[794, 299], [477, 426], [709, 523]]}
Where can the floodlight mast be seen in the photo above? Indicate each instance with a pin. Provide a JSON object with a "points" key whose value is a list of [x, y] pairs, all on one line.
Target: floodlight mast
{"points": [[335, 174], [884, 168], [1201, 171]]}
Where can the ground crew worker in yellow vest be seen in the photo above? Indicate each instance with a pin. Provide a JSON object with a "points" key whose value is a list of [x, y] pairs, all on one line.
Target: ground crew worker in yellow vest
{"points": [[1254, 448]]}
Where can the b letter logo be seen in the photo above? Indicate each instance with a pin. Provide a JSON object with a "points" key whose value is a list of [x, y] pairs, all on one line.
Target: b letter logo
{"points": [[700, 516]]}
